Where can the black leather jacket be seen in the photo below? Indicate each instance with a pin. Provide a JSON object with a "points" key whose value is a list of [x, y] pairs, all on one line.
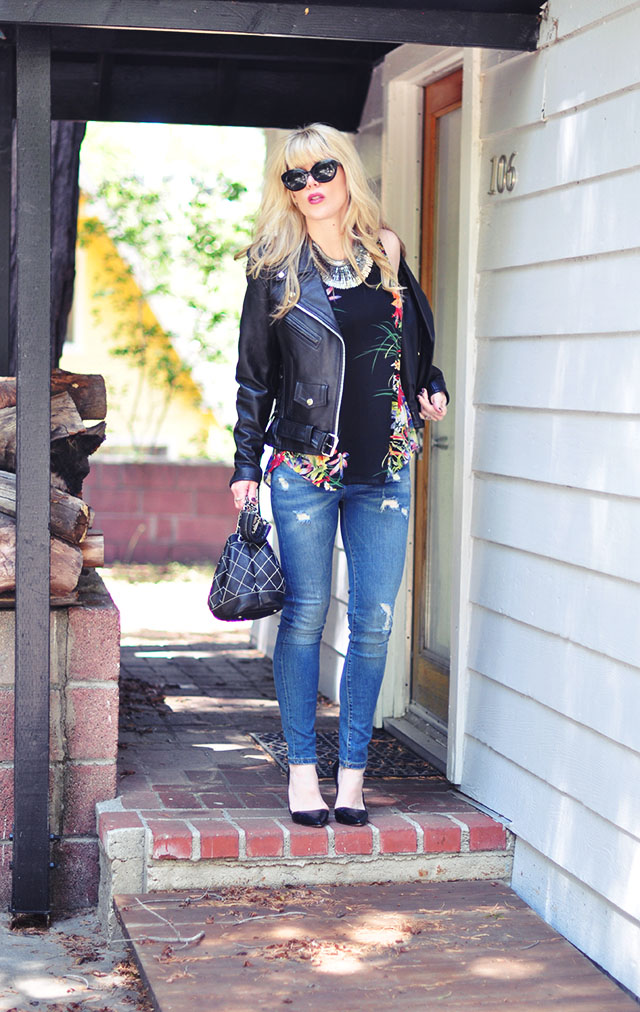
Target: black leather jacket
{"points": [[297, 364]]}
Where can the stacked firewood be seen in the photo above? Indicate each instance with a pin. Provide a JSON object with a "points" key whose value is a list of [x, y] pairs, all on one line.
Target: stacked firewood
{"points": [[74, 542]]}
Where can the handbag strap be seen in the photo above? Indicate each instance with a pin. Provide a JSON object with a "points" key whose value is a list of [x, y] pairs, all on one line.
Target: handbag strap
{"points": [[251, 526]]}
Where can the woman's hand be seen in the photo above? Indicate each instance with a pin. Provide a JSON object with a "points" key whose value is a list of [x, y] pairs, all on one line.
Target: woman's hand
{"points": [[243, 489], [432, 408]]}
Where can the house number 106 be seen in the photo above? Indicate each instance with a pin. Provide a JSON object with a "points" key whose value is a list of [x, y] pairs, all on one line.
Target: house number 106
{"points": [[503, 174]]}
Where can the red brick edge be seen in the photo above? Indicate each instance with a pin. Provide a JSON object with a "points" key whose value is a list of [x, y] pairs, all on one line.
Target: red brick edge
{"points": [[189, 835]]}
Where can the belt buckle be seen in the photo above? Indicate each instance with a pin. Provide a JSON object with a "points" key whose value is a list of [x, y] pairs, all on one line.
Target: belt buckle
{"points": [[329, 444]]}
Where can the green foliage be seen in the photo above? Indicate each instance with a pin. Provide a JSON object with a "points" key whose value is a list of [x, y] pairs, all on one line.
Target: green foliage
{"points": [[170, 244]]}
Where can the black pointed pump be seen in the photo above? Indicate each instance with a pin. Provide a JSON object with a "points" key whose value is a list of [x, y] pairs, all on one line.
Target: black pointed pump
{"points": [[349, 816], [316, 817]]}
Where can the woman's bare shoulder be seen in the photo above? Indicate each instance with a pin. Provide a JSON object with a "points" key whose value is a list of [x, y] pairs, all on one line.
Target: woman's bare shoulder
{"points": [[391, 245]]}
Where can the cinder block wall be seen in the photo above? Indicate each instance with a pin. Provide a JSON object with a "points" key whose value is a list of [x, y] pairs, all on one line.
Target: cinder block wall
{"points": [[161, 512], [85, 664]]}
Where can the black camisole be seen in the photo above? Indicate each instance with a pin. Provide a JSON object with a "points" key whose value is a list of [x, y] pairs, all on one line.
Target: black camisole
{"points": [[364, 314]]}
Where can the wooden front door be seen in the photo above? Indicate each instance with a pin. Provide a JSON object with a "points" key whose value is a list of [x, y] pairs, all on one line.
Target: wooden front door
{"points": [[434, 472]]}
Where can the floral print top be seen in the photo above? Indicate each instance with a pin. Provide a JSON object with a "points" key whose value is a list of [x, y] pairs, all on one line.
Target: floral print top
{"points": [[331, 472]]}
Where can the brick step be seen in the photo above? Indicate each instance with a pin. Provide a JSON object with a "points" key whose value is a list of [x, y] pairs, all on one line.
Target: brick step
{"points": [[163, 849]]}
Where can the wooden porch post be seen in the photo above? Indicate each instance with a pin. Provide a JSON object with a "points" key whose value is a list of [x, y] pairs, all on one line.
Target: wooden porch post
{"points": [[6, 121], [31, 777]]}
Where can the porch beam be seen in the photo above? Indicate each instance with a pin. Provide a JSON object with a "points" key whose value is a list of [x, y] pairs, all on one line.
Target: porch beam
{"points": [[7, 103], [206, 46], [397, 23], [31, 845]]}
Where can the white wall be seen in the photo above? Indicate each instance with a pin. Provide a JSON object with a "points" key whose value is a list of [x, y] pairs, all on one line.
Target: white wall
{"points": [[548, 677], [552, 735]]}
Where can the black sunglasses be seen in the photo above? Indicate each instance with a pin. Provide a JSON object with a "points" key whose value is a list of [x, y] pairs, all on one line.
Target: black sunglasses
{"points": [[322, 172]]}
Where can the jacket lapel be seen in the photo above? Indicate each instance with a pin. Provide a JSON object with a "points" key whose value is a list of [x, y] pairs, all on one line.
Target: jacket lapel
{"points": [[312, 292]]}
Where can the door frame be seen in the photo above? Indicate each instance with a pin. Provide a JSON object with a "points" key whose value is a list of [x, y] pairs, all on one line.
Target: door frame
{"points": [[441, 97], [406, 72]]}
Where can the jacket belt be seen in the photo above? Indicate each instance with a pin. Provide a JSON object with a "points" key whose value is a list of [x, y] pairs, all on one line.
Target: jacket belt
{"points": [[324, 443]]}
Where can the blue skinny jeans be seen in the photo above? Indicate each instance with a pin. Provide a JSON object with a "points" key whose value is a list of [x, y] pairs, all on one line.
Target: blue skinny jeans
{"points": [[374, 522]]}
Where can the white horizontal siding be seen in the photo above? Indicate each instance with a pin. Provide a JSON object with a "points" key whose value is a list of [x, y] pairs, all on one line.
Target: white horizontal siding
{"points": [[563, 77], [601, 62], [579, 763], [591, 451], [573, 373], [560, 523], [579, 683], [513, 94], [583, 143], [586, 221], [594, 925], [551, 731], [589, 296], [586, 607], [601, 860], [594, 850], [580, 15]]}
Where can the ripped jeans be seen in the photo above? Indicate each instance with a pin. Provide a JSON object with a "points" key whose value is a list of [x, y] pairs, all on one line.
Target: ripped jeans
{"points": [[374, 521]]}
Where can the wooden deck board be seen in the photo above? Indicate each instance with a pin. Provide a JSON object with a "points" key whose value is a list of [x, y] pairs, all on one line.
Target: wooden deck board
{"points": [[455, 945]]}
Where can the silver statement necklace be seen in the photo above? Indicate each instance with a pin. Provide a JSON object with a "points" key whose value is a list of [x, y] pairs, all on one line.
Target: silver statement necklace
{"points": [[340, 273]]}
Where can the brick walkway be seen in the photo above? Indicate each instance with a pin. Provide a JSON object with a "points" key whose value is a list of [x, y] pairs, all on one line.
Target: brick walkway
{"points": [[191, 775], [276, 915], [461, 946]]}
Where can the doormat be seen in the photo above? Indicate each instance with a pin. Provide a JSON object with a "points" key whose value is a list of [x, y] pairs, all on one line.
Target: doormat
{"points": [[388, 757]]}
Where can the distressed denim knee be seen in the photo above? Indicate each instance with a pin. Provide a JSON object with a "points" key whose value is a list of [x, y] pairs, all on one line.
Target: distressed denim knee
{"points": [[304, 620], [371, 623]]}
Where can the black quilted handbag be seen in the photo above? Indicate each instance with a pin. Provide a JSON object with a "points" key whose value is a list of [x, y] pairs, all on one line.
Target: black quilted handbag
{"points": [[248, 582]]}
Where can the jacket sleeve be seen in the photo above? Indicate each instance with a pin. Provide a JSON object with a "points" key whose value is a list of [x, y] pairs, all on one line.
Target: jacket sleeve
{"points": [[436, 383], [420, 315], [257, 376]]}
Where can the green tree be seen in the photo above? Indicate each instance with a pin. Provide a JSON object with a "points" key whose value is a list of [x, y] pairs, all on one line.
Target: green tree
{"points": [[171, 243]]}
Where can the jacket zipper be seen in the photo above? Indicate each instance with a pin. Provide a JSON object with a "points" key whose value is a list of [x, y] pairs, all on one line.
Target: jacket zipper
{"points": [[342, 362]]}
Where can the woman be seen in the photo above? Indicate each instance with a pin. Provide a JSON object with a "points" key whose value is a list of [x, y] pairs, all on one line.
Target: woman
{"points": [[335, 373]]}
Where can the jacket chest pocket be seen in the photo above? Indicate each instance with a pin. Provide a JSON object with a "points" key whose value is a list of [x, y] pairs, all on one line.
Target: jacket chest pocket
{"points": [[311, 395], [303, 330]]}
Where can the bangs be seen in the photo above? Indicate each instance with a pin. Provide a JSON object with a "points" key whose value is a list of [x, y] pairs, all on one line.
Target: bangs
{"points": [[306, 147]]}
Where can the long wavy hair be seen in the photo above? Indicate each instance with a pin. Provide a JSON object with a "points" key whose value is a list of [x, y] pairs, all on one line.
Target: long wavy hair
{"points": [[280, 233]]}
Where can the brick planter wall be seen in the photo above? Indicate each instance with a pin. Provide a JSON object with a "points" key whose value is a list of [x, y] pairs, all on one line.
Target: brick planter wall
{"points": [[85, 664], [161, 512]]}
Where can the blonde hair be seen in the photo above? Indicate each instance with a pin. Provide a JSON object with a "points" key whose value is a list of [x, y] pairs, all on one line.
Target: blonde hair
{"points": [[280, 233]]}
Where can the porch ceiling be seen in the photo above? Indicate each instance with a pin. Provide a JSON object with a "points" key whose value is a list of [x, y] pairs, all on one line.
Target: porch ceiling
{"points": [[236, 62], [230, 80]]}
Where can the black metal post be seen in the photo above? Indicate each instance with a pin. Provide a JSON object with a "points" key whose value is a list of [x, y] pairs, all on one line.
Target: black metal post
{"points": [[6, 121], [31, 777]]}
